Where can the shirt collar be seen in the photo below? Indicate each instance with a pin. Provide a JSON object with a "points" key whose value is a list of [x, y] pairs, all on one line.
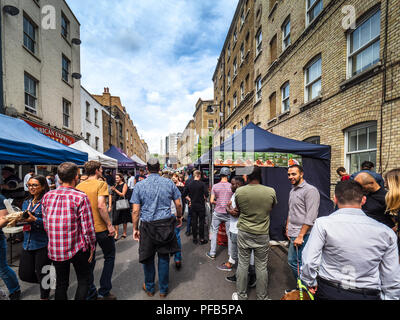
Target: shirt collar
{"points": [[352, 211], [300, 185]]}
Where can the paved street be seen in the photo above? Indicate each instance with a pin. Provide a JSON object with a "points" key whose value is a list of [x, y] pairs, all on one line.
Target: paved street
{"points": [[199, 278]]}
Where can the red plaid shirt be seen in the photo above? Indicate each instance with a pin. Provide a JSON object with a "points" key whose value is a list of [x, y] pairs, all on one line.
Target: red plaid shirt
{"points": [[68, 221]]}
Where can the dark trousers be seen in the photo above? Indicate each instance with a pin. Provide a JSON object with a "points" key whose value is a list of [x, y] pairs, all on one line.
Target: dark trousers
{"points": [[107, 245], [189, 220], [82, 270], [31, 268], [329, 292], [198, 220]]}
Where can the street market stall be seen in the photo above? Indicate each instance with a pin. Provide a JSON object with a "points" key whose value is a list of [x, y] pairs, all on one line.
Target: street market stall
{"points": [[253, 146], [139, 162], [124, 162], [106, 162], [21, 144]]}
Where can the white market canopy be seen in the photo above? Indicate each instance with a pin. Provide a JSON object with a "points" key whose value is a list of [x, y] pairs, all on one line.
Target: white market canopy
{"points": [[95, 155], [138, 160]]}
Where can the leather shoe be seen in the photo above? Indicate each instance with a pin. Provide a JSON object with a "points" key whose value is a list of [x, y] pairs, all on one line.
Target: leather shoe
{"points": [[150, 294], [163, 295]]}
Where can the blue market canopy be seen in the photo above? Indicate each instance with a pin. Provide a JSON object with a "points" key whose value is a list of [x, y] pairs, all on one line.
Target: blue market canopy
{"points": [[122, 158], [22, 144], [252, 138]]}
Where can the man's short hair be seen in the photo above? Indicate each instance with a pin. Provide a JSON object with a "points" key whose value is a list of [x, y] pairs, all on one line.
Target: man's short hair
{"points": [[153, 165], [368, 165], [91, 167], [301, 169], [255, 175], [349, 192], [239, 179], [67, 171], [197, 173], [340, 169]]}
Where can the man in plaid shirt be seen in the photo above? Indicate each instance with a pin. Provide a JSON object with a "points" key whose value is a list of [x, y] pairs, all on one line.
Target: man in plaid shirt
{"points": [[68, 221]]}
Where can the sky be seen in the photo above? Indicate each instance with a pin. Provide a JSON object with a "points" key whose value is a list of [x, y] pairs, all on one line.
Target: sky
{"points": [[159, 56]]}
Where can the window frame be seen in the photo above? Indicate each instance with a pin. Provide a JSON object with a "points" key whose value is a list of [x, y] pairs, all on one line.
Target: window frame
{"points": [[310, 84], [259, 41], [29, 108], [26, 35], [287, 37], [63, 70], [258, 88], [66, 116], [242, 95], [283, 99], [67, 28], [312, 7]]}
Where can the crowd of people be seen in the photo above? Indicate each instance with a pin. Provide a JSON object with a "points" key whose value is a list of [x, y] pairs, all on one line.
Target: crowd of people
{"points": [[352, 253]]}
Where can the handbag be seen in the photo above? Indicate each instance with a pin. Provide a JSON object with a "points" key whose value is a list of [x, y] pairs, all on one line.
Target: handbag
{"points": [[122, 204]]}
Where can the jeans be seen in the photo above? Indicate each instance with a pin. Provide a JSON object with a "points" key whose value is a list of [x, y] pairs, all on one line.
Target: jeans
{"points": [[6, 273], [189, 221], [83, 272], [107, 245], [178, 255], [163, 273], [31, 268], [198, 221], [292, 255], [248, 242], [217, 219]]}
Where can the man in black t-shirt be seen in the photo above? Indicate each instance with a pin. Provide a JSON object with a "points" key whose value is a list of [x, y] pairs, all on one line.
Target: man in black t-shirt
{"points": [[375, 207], [196, 192], [139, 177]]}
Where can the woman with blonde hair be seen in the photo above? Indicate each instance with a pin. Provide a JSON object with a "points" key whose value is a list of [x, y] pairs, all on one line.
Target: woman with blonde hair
{"points": [[392, 183]]}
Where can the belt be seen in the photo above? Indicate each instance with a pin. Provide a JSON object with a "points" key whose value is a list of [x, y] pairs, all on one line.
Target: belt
{"points": [[367, 292]]}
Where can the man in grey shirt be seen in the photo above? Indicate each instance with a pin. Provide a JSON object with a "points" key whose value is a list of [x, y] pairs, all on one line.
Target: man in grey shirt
{"points": [[304, 202], [350, 256]]}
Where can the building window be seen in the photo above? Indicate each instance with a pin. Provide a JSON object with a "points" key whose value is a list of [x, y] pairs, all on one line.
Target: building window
{"points": [[258, 88], [247, 119], [259, 42], [273, 49], [242, 91], [313, 140], [210, 124], [234, 129], [229, 79], [97, 143], [364, 45], [313, 79], [30, 94], [88, 138], [242, 53], [241, 123], [242, 18], [285, 97], [64, 25], [234, 68], [286, 34], [314, 8], [272, 106], [234, 100], [65, 68], [361, 145], [66, 113], [229, 51], [121, 130], [235, 36], [229, 108], [87, 111], [96, 117], [29, 35]]}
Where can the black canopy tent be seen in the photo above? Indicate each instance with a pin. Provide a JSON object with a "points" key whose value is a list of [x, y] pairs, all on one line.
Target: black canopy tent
{"points": [[316, 163]]}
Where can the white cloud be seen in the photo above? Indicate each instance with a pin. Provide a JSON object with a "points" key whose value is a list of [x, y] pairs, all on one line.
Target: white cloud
{"points": [[157, 55]]}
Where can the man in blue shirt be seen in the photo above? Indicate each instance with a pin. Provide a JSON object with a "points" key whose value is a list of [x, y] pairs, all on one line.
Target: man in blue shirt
{"points": [[6, 273], [151, 201], [367, 166]]}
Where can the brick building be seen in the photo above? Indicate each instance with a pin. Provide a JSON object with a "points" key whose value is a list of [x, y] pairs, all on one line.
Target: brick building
{"points": [[326, 83]]}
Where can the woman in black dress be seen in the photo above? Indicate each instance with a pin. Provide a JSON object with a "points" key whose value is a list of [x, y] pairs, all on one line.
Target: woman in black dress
{"points": [[120, 192]]}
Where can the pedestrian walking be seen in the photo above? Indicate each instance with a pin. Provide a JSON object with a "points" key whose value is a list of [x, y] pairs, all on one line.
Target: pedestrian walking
{"points": [[392, 181], [177, 255], [151, 201], [189, 180], [237, 182], [221, 194], [367, 166], [123, 215], [304, 200], [375, 206], [341, 171], [97, 192], [196, 192], [255, 203], [350, 256], [6, 273], [34, 255], [131, 180], [68, 221]]}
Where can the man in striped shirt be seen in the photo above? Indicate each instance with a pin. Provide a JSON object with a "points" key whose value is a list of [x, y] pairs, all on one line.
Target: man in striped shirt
{"points": [[68, 221], [221, 194]]}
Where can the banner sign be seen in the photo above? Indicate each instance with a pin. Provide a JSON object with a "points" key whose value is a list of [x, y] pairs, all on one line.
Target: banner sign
{"points": [[260, 159], [53, 134]]}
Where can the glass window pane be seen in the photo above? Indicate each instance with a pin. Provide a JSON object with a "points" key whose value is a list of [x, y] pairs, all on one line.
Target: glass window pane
{"points": [[354, 163], [372, 157], [372, 137], [352, 141], [314, 71], [362, 139], [376, 24], [315, 90], [365, 156]]}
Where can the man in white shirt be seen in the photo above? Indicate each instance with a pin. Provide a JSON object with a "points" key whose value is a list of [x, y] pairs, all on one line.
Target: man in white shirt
{"points": [[350, 256], [29, 175], [131, 181]]}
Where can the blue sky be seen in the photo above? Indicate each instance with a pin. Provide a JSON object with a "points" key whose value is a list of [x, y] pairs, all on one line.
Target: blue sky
{"points": [[157, 55]]}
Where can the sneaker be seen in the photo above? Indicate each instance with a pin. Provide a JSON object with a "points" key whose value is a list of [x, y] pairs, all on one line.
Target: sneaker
{"points": [[3, 295], [231, 279], [225, 267], [235, 296], [203, 242], [212, 257], [15, 296], [110, 296], [252, 281]]}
